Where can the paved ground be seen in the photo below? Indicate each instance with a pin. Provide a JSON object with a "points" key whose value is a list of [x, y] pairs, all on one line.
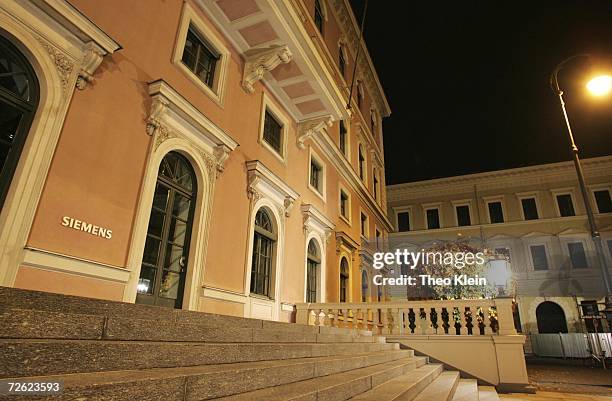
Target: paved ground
{"points": [[559, 380]]}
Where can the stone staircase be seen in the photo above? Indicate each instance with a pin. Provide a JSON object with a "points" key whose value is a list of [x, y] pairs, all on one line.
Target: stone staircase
{"points": [[105, 350]]}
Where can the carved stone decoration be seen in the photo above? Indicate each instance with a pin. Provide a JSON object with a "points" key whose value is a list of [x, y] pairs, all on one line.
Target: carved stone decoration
{"points": [[162, 133], [210, 163], [252, 193], [91, 61], [158, 107], [221, 153], [328, 235], [311, 127], [63, 63], [288, 204], [262, 60]]}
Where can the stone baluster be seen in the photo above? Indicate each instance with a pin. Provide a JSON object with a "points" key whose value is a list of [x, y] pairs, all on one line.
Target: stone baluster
{"points": [[429, 329], [400, 320], [457, 316], [317, 316], [385, 321], [505, 318], [345, 316], [326, 318]]}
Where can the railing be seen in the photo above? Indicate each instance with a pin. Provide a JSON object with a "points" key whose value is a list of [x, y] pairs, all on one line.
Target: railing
{"points": [[450, 317]]}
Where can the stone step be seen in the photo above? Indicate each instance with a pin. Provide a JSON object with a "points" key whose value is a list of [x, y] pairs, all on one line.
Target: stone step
{"points": [[340, 386], [47, 357], [441, 389], [404, 387], [211, 381], [34, 324], [58, 305], [487, 393], [467, 390]]}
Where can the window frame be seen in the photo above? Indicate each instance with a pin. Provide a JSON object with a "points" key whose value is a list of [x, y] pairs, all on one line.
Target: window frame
{"points": [[365, 234], [317, 260], [599, 188], [267, 105], [463, 202], [404, 209], [342, 57], [364, 178], [342, 189], [564, 191], [314, 157], [347, 135], [546, 252], [567, 252], [529, 195], [273, 238], [190, 18], [432, 206], [494, 199], [322, 10], [344, 279]]}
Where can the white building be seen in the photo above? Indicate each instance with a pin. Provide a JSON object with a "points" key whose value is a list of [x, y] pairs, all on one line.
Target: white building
{"points": [[536, 214]]}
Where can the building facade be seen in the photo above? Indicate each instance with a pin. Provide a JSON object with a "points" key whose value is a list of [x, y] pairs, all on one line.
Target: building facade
{"points": [[534, 215], [189, 154]]}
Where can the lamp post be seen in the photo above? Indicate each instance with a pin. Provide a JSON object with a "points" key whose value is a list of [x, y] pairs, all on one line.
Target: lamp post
{"points": [[598, 86]]}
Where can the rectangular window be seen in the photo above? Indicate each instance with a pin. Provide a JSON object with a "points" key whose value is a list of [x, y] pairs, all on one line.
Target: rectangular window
{"points": [[433, 219], [530, 210], [577, 255], [316, 179], [375, 186], [463, 215], [344, 204], [538, 257], [343, 133], [403, 221], [341, 61], [364, 225], [378, 237], [566, 206], [496, 213], [273, 132], [200, 57], [361, 164], [503, 252], [602, 198]]}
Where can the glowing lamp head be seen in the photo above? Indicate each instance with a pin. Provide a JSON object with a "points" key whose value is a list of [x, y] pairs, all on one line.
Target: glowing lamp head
{"points": [[600, 86]]}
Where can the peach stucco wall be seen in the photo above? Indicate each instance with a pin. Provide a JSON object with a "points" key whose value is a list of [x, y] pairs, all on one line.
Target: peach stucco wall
{"points": [[31, 278], [97, 170]]}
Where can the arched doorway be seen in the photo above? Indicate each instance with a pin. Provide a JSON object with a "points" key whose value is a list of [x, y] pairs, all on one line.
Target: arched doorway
{"points": [[364, 286], [164, 261], [551, 318], [19, 94], [313, 263], [344, 279]]}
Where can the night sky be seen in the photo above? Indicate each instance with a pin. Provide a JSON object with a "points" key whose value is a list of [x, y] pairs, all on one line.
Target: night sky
{"points": [[468, 82]]}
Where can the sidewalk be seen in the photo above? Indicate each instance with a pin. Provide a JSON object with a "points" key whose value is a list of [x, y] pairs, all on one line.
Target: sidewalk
{"points": [[564, 380]]}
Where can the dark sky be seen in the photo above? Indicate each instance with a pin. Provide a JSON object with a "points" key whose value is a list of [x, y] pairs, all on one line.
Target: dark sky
{"points": [[467, 82]]}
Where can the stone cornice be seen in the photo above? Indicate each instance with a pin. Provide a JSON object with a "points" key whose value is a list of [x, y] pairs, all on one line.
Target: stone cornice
{"points": [[350, 31], [522, 176]]}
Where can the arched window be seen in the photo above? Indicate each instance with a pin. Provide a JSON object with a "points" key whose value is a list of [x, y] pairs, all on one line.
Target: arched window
{"points": [[319, 17], [342, 61], [344, 278], [263, 254], [19, 93], [364, 286], [361, 162], [164, 261], [550, 318], [313, 263]]}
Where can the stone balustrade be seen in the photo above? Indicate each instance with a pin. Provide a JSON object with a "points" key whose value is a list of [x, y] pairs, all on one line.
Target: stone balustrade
{"points": [[474, 317]]}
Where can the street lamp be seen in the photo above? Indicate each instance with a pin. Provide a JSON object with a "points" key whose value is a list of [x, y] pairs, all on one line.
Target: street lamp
{"points": [[598, 86]]}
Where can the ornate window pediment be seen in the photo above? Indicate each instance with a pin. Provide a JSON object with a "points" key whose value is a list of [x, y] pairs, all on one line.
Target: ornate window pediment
{"points": [[264, 183], [171, 115], [315, 221]]}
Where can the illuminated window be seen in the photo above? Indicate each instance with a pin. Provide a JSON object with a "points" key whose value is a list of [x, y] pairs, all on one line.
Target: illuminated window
{"points": [[200, 57]]}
